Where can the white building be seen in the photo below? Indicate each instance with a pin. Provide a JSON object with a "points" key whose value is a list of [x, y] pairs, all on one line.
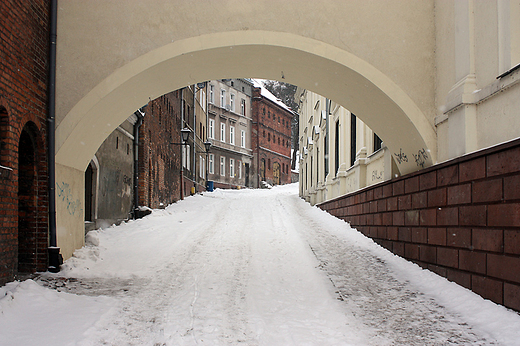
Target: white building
{"points": [[339, 154]]}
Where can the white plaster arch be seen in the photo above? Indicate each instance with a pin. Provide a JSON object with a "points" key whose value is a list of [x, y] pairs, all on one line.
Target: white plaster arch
{"points": [[308, 63]]}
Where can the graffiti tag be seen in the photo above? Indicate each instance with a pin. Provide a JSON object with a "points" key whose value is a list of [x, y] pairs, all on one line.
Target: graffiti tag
{"points": [[421, 157], [64, 193], [377, 175], [401, 157]]}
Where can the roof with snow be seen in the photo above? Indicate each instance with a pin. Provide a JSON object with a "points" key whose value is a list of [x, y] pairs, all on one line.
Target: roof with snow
{"points": [[257, 83]]}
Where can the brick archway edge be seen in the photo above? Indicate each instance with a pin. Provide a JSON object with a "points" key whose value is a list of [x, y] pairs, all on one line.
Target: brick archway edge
{"points": [[460, 219]]}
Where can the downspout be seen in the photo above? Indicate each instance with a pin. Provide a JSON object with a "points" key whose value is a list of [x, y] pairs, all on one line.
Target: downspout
{"points": [[182, 146], [138, 113], [194, 172], [327, 137], [55, 258]]}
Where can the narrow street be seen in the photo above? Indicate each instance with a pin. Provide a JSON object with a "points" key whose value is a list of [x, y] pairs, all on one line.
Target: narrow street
{"points": [[246, 267]]}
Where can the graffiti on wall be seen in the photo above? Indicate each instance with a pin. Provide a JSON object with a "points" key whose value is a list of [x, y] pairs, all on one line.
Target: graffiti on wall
{"points": [[64, 194], [401, 157], [421, 157], [377, 175]]}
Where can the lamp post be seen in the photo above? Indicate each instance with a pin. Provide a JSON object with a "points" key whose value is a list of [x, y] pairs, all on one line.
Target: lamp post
{"points": [[207, 146], [185, 135]]}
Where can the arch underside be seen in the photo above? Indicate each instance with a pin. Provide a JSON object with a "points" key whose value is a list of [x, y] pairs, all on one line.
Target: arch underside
{"points": [[310, 64]]}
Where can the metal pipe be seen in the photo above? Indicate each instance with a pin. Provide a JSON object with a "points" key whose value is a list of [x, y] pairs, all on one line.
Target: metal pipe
{"points": [[55, 258], [194, 172], [139, 114]]}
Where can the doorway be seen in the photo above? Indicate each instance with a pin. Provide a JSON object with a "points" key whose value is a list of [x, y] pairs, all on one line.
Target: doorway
{"points": [[27, 220]]}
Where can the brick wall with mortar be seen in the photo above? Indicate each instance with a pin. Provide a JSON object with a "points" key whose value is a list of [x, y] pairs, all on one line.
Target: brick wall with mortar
{"points": [[460, 219], [159, 160], [24, 37], [271, 138]]}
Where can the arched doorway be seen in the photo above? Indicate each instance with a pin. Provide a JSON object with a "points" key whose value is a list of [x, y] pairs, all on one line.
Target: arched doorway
{"points": [[276, 173], [27, 216]]}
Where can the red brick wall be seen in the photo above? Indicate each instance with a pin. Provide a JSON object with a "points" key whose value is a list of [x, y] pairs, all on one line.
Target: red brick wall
{"points": [[460, 219], [271, 138], [24, 53], [159, 160]]}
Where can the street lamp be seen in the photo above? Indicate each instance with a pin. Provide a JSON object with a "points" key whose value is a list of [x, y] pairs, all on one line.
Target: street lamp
{"points": [[207, 145], [185, 135]]}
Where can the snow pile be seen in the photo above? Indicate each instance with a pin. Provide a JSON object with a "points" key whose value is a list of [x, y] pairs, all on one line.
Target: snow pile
{"points": [[33, 315]]}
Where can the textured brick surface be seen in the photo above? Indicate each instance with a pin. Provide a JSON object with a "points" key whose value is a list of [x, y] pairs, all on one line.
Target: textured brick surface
{"points": [[504, 267], [461, 221], [23, 106], [458, 237], [488, 288], [503, 162], [487, 191], [448, 176], [512, 296], [459, 194], [504, 215], [472, 261], [473, 169], [487, 239]]}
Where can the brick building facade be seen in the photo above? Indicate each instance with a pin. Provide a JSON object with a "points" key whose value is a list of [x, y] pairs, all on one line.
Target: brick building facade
{"points": [[23, 147], [271, 138], [159, 166]]}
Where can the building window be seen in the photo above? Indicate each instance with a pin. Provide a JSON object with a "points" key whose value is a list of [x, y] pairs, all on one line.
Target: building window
{"points": [[232, 102], [269, 164], [243, 107], [274, 139], [222, 132], [222, 98], [269, 114], [377, 143], [232, 135], [211, 133], [232, 168], [242, 138], [263, 111], [223, 166], [264, 133], [211, 163], [185, 156], [211, 93], [268, 137]]}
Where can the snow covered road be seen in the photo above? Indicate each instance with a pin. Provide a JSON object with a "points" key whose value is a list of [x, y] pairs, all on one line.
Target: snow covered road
{"points": [[249, 267]]}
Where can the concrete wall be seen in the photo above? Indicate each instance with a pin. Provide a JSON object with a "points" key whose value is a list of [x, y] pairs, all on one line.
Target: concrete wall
{"points": [[114, 180], [459, 219]]}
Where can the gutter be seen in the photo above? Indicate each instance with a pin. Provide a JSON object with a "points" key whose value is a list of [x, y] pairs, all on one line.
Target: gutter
{"points": [[55, 258], [139, 114]]}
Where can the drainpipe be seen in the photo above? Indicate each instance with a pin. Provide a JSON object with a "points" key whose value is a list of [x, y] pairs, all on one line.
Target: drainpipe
{"points": [[55, 258], [139, 114], [182, 147], [194, 172]]}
